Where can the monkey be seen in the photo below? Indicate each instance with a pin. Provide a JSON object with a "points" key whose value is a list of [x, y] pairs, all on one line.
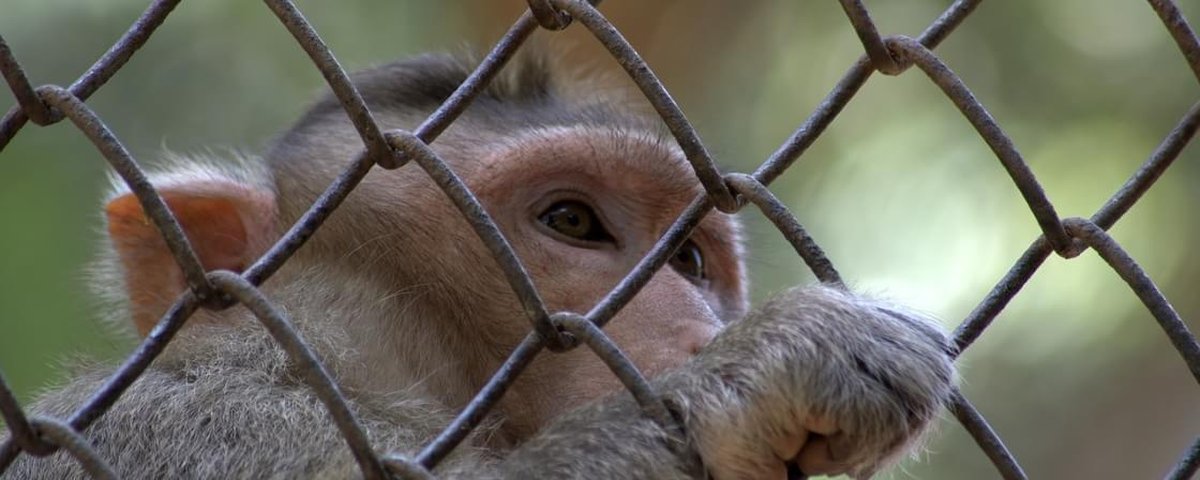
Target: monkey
{"points": [[410, 314]]}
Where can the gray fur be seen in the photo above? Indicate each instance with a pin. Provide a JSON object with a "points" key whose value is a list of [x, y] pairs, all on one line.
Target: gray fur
{"points": [[224, 403], [880, 373]]}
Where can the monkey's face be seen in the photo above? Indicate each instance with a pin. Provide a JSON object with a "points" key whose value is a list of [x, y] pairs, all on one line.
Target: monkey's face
{"points": [[581, 207]]}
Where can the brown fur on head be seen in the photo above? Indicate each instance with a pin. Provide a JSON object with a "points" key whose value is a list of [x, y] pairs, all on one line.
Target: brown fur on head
{"points": [[421, 299]]}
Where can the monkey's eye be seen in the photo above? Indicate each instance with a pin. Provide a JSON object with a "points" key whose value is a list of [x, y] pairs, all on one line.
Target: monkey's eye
{"points": [[688, 261], [576, 220]]}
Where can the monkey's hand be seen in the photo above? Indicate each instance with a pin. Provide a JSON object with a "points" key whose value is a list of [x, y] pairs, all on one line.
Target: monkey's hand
{"points": [[816, 379]]}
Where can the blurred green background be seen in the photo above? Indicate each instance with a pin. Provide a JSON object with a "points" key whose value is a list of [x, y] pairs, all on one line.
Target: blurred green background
{"points": [[906, 199]]}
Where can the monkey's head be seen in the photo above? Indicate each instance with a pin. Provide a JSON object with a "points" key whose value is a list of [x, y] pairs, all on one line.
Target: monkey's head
{"points": [[580, 184]]}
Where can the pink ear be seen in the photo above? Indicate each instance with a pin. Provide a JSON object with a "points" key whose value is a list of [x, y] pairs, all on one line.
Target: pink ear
{"points": [[228, 224]]}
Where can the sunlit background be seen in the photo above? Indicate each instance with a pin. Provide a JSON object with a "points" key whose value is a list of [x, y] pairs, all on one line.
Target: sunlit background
{"points": [[907, 200]]}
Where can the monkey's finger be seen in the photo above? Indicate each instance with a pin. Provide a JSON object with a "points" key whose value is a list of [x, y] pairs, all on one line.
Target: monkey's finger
{"points": [[841, 447], [788, 447], [821, 425], [816, 458]]}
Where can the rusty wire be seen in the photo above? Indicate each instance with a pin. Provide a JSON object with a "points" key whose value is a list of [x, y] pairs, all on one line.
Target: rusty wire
{"points": [[894, 55]]}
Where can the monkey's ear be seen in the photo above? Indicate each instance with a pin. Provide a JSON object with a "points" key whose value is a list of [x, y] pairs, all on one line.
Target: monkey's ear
{"points": [[229, 224]]}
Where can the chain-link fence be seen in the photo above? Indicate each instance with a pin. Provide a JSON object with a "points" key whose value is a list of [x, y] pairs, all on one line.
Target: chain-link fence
{"points": [[1068, 238]]}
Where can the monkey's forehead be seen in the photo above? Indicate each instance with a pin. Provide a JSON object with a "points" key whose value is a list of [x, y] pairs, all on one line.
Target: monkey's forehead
{"points": [[608, 152]]}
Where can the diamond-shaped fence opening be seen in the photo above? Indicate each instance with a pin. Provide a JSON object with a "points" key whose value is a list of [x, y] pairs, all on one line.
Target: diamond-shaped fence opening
{"points": [[893, 55]]}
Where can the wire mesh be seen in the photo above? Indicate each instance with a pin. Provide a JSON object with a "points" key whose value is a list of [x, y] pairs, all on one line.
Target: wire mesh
{"points": [[892, 55]]}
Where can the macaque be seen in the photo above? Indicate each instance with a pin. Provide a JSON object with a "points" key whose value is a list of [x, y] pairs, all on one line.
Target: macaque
{"points": [[410, 313]]}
